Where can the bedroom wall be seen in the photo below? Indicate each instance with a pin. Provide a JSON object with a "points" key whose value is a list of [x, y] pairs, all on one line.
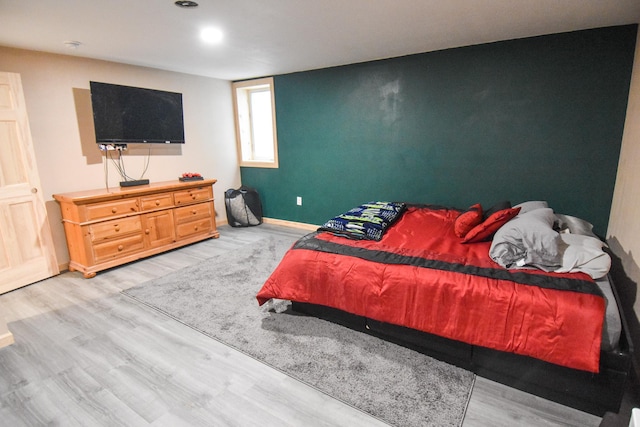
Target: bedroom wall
{"points": [[623, 235], [528, 119], [57, 95]]}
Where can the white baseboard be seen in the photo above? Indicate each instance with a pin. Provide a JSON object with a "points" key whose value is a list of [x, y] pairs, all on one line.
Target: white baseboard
{"points": [[6, 337], [301, 225]]}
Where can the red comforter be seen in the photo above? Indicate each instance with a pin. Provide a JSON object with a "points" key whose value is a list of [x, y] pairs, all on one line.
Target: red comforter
{"points": [[420, 275]]}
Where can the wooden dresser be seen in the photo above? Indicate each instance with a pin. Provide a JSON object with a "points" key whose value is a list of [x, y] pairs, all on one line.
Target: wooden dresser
{"points": [[110, 227]]}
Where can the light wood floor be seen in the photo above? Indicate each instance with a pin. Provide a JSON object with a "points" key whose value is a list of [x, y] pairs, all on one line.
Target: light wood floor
{"points": [[85, 355]]}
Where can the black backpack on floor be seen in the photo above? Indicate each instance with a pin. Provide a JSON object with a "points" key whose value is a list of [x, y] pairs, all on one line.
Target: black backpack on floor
{"points": [[243, 207]]}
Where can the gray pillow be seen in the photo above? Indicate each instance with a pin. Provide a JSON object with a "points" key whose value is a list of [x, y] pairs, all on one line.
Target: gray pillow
{"points": [[530, 206], [529, 240], [574, 225], [585, 254]]}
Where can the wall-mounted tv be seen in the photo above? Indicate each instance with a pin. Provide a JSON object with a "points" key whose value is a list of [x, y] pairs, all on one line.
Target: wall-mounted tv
{"points": [[125, 114]]}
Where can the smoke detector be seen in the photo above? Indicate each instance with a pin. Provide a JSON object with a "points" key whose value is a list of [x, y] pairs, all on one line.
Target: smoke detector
{"points": [[72, 44]]}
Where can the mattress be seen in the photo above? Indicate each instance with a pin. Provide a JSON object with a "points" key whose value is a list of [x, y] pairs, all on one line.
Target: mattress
{"points": [[612, 328]]}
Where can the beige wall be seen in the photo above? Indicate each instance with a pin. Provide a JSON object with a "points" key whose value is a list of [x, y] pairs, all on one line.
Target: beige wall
{"points": [[623, 233], [57, 94]]}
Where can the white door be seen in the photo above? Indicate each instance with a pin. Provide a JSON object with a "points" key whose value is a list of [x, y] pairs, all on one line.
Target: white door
{"points": [[27, 253]]}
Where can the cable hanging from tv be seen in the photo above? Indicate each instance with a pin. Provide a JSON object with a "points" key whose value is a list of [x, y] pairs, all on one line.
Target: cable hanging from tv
{"points": [[118, 163]]}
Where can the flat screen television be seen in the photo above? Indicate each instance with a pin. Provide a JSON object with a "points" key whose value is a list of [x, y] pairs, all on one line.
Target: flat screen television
{"points": [[126, 114]]}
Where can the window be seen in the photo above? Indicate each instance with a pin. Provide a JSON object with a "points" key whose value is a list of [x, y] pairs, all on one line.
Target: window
{"points": [[256, 123]]}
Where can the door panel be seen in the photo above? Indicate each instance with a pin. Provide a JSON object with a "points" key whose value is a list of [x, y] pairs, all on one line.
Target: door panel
{"points": [[11, 167], [159, 228], [27, 253]]}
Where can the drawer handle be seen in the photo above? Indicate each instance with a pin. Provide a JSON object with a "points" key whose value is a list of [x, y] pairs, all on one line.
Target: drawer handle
{"points": [[120, 248], [157, 202], [194, 211], [146, 231], [117, 228], [195, 228], [114, 210]]}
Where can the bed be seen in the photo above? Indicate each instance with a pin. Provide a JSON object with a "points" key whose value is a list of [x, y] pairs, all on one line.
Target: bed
{"points": [[519, 294]]}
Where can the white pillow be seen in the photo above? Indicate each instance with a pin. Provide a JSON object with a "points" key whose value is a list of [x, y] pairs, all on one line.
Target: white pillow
{"points": [[585, 254]]}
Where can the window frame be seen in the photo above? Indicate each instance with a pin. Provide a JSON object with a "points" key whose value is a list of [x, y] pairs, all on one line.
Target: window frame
{"points": [[244, 124]]}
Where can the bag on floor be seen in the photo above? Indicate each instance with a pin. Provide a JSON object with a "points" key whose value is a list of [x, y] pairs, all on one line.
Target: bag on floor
{"points": [[243, 205]]}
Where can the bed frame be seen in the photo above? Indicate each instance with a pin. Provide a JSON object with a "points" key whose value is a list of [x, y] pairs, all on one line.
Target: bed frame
{"points": [[588, 392]]}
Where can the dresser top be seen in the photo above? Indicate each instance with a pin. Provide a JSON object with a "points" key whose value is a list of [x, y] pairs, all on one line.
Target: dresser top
{"points": [[114, 193]]}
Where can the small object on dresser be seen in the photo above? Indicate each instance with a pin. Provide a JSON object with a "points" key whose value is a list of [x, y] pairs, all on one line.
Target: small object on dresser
{"points": [[134, 182], [191, 176]]}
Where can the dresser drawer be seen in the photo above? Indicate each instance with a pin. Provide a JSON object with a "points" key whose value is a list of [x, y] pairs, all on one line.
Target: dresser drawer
{"points": [[112, 208], [117, 248], [203, 226], [156, 202], [193, 212], [115, 228], [193, 195]]}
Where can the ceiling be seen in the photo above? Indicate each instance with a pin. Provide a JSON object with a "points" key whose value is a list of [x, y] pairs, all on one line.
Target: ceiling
{"points": [[269, 37]]}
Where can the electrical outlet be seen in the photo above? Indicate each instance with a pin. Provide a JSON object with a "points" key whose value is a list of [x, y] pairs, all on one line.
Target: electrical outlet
{"points": [[299, 200]]}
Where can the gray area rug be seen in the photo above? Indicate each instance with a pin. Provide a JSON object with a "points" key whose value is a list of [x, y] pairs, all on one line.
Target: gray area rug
{"points": [[395, 384]]}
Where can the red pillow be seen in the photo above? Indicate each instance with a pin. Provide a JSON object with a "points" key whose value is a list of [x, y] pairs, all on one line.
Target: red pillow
{"points": [[467, 220], [486, 230]]}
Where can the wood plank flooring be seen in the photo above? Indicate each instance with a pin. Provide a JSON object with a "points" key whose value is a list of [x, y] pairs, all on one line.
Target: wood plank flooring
{"points": [[86, 355]]}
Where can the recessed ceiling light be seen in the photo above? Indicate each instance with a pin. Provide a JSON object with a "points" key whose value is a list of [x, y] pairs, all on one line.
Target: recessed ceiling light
{"points": [[186, 3], [211, 35]]}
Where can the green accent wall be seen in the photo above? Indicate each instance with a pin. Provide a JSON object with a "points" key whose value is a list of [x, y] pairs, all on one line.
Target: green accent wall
{"points": [[529, 119]]}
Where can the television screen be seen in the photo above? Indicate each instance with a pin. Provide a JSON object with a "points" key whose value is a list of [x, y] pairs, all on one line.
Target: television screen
{"points": [[123, 114]]}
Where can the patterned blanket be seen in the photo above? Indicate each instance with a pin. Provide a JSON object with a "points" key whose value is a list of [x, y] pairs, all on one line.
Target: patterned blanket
{"points": [[368, 221]]}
